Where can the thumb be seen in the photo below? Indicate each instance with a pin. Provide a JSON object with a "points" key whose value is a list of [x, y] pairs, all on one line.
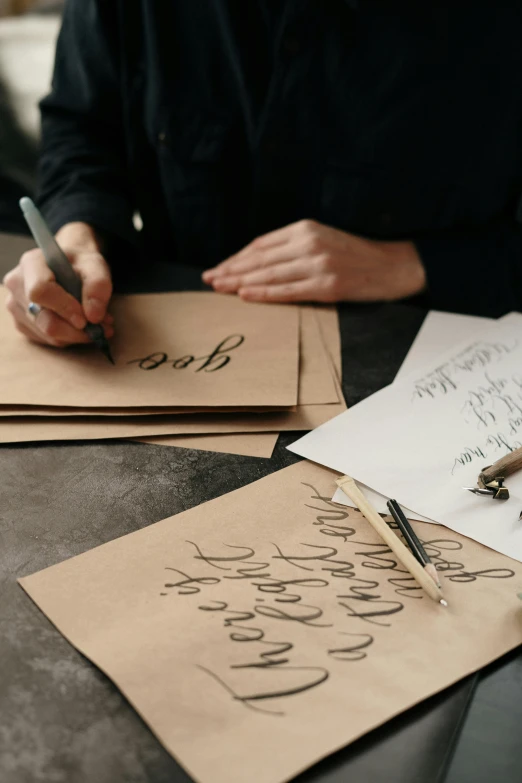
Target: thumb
{"points": [[96, 285]]}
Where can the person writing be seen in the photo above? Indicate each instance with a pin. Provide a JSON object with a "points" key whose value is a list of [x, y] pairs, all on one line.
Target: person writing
{"points": [[348, 150]]}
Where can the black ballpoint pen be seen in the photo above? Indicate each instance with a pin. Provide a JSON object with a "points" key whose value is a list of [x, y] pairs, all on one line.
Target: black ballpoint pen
{"points": [[61, 267]]}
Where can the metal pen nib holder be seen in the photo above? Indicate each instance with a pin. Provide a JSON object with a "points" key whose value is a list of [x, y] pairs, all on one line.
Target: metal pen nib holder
{"points": [[490, 482], [493, 487]]}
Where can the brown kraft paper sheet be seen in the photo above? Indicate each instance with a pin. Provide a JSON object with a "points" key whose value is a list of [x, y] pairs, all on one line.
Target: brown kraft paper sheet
{"points": [[261, 631], [305, 417], [38, 428], [315, 383], [178, 349], [258, 444], [328, 320]]}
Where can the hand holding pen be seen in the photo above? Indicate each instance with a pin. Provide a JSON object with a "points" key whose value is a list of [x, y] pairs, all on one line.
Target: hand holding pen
{"points": [[62, 318]]}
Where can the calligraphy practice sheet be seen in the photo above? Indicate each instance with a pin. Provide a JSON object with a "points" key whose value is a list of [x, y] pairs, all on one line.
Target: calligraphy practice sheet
{"points": [[176, 349], [259, 632], [423, 439], [315, 382], [436, 335], [311, 382], [18, 429]]}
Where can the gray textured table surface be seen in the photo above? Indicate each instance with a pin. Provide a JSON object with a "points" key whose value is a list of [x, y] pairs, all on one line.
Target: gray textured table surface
{"points": [[62, 721]]}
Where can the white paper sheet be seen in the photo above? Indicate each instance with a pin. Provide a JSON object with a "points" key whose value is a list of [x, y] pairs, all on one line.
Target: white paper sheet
{"points": [[423, 438], [436, 335]]}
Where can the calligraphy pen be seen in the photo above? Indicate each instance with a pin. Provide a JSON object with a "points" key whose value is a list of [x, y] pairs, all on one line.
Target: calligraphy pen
{"points": [[61, 267], [490, 482], [400, 550]]}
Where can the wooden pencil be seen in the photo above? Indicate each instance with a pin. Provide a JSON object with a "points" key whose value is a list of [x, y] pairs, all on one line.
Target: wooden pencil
{"points": [[400, 550]]}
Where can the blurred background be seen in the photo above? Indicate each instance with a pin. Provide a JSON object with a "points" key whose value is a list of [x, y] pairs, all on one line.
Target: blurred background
{"points": [[28, 31]]}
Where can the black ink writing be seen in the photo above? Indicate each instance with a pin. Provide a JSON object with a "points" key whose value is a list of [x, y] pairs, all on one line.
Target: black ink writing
{"points": [[445, 379], [312, 677], [215, 360], [340, 599], [493, 446]]}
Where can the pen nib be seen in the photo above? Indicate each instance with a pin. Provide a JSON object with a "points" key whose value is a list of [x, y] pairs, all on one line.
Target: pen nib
{"points": [[95, 333], [107, 351], [477, 491]]}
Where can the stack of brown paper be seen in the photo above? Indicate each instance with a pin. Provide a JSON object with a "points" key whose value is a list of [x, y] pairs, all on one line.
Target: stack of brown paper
{"points": [[187, 364], [259, 632]]}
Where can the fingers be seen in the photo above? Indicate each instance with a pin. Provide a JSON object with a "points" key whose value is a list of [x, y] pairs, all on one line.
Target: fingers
{"points": [[244, 263], [291, 242], [247, 260], [21, 322], [49, 328], [255, 254], [40, 286], [96, 285], [277, 237], [297, 291], [57, 332], [62, 318], [30, 281], [296, 269], [302, 228], [45, 328]]}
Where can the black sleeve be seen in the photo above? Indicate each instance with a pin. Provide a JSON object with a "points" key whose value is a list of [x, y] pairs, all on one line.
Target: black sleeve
{"points": [[83, 171], [479, 273]]}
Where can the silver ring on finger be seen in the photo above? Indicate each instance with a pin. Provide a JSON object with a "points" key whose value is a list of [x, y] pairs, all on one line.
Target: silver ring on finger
{"points": [[34, 309]]}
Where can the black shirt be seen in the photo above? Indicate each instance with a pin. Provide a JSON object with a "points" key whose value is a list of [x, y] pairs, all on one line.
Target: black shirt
{"points": [[273, 12], [218, 123]]}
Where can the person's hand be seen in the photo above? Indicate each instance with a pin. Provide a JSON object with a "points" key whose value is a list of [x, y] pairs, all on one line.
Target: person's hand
{"points": [[308, 261], [62, 317]]}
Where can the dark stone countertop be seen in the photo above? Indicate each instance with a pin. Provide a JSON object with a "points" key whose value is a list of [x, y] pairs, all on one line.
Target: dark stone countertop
{"points": [[62, 720]]}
